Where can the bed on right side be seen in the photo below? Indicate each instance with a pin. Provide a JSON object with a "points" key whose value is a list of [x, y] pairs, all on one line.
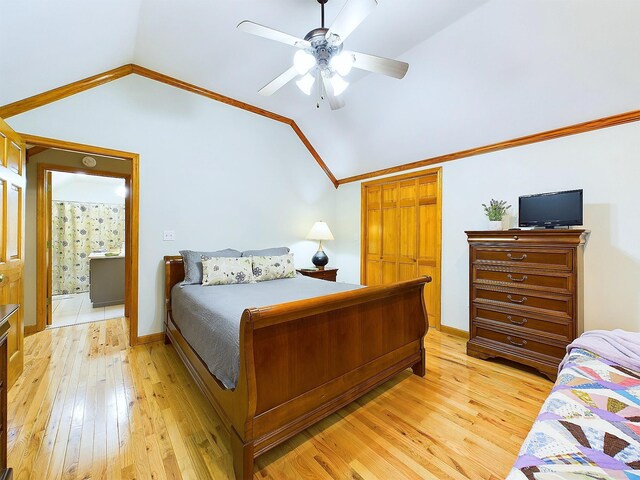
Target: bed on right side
{"points": [[589, 426]]}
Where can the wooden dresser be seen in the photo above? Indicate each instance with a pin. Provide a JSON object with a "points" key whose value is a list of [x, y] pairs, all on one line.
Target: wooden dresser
{"points": [[6, 311], [525, 295]]}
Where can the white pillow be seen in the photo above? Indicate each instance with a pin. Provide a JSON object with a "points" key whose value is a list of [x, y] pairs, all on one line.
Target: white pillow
{"points": [[273, 267], [226, 270]]}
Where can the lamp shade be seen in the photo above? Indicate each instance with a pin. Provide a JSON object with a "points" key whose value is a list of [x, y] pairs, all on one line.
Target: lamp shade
{"points": [[320, 231]]}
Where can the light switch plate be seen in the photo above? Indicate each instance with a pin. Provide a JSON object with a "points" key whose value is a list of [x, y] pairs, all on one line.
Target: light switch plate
{"points": [[169, 235]]}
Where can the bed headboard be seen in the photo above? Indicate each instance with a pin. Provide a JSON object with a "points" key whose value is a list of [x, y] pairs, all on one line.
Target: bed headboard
{"points": [[173, 273]]}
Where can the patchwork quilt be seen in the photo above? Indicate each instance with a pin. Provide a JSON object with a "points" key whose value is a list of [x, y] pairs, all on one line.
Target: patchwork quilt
{"points": [[589, 426]]}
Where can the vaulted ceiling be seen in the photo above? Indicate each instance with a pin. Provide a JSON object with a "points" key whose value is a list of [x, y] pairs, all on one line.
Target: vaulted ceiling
{"points": [[481, 71]]}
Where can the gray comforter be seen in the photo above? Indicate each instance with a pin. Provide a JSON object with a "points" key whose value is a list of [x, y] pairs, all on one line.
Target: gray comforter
{"points": [[209, 316]]}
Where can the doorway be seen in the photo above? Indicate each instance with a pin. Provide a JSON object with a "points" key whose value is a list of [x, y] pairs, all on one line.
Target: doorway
{"points": [[64, 296], [87, 247]]}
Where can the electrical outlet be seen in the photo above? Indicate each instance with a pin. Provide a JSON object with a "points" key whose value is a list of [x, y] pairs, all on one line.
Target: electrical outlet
{"points": [[169, 235]]}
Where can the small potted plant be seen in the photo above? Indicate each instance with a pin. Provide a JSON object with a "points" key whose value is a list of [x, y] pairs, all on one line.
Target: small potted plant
{"points": [[496, 211]]}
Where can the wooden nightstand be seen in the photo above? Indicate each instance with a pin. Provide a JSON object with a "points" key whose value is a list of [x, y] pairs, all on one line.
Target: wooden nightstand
{"points": [[328, 274]]}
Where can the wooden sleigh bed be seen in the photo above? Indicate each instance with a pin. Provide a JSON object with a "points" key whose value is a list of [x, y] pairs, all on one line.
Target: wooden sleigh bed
{"points": [[303, 360]]}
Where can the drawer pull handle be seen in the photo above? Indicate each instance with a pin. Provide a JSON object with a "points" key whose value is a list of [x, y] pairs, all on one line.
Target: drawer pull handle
{"points": [[515, 322], [524, 278], [511, 299], [518, 344], [511, 257]]}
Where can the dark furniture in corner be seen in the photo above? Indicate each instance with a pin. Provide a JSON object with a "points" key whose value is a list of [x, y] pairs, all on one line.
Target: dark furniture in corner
{"points": [[525, 295], [329, 274], [5, 312]]}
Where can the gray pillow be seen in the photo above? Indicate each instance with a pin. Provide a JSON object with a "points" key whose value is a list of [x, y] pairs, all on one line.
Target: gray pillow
{"points": [[192, 261], [267, 252]]}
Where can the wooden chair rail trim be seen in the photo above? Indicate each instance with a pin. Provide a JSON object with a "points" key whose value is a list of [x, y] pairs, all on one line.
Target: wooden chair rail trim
{"points": [[605, 122], [50, 96]]}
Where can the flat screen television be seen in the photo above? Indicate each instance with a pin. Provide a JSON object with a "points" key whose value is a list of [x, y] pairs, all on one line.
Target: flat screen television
{"points": [[549, 210]]}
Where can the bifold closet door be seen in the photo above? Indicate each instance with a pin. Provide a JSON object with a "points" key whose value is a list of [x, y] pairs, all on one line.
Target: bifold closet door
{"points": [[429, 238], [390, 240], [372, 212], [401, 231]]}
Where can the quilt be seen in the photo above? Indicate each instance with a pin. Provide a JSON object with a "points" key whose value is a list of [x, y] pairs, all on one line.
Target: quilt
{"points": [[589, 426]]}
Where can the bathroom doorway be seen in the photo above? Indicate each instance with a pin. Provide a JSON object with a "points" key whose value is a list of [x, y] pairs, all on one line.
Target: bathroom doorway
{"points": [[87, 247]]}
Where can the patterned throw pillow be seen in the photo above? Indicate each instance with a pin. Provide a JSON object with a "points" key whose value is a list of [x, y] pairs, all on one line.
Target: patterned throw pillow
{"points": [[226, 270], [273, 267]]}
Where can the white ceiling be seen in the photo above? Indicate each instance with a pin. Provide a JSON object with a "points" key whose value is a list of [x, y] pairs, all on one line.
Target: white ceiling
{"points": [[61, 179], [481, 71]]}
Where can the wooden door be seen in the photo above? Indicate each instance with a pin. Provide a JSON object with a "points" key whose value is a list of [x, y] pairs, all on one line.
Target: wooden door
{"points": [[389, 227], [407, 229], [429, 242], [401, 233], [372, 210], [12, 186]]}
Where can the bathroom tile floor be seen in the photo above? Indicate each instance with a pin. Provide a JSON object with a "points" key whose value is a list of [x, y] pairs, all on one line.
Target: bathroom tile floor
{"points": [[75, 309]]}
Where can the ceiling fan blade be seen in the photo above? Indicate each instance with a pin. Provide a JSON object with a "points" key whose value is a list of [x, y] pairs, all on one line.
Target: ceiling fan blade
{"points": [[279, 82], [351, 15], [336, 103], [266, 32], [386, 66]]}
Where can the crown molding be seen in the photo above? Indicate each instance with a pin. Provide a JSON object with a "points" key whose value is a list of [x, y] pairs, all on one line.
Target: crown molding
{"points": [[50, 96], [36, 101], [174, 82], [584, 127]]}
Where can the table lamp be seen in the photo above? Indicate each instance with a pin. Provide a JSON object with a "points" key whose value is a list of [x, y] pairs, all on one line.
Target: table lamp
{"points": [[320, 231]]}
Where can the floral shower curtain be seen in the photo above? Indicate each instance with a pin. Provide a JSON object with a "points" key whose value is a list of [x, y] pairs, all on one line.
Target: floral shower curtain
{"points": [[77, 230]]}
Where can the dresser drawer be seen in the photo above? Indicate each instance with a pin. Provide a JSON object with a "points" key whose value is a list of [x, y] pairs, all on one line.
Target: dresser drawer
{"points": [[524, 278], [558, 259], [524, 300], [562, 329], [521, 342]]}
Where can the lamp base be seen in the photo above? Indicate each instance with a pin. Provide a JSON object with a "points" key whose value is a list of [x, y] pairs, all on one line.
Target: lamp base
{"points": [[320, 259]]}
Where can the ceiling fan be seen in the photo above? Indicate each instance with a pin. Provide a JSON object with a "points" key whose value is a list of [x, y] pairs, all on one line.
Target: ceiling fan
{"points": [[321, 58]]}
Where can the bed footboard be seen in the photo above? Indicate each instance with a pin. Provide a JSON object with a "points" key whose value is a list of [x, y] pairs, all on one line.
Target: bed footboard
{"points": [[304, 360]]}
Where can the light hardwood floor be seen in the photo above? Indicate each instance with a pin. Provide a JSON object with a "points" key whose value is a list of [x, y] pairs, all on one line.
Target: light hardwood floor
{"points": [[87, 406]]}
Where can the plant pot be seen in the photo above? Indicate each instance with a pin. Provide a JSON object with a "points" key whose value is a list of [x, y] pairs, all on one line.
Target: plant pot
{"points": [[495, 224]]}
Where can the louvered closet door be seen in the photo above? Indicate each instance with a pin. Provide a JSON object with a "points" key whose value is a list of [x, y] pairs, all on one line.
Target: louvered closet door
{"points": [[12, 191]]}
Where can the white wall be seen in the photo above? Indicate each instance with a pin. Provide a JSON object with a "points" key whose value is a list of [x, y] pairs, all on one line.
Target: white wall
{"points": [[605, 163], [217, 175], [72, 187]]}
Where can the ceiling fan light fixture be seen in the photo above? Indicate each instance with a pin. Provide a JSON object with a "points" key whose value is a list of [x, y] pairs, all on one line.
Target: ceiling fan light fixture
{"points": [[303, 61], [339, 84], [306, 83], [342, 63]]}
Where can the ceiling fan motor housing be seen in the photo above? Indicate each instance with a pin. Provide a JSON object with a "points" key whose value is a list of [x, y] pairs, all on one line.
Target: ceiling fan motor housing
{"points": [[323, 49]]}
